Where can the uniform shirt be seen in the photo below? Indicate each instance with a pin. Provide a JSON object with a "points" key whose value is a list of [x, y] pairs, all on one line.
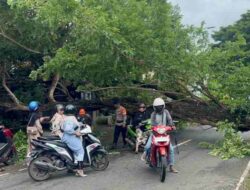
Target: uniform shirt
{"points": [[121, 116]]}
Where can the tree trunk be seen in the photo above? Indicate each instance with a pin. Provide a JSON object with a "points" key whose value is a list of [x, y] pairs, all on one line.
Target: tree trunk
{"points": [[17, 104], [52, 89], [65, 91]]}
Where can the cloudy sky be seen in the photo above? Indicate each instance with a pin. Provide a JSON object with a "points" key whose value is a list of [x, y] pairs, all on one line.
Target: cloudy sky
{"points": [[215, 13]]}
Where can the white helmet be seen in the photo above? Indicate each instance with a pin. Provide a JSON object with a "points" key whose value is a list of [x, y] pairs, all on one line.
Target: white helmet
{"points": [[158, 104]]}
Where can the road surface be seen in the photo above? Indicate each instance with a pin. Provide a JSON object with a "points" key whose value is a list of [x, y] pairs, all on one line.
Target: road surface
{"points": [[198, 171]]}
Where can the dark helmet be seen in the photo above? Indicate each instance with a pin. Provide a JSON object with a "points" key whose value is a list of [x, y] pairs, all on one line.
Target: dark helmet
{"points": [[116, 101], [70, 110], [59, 107], [33, 106]]}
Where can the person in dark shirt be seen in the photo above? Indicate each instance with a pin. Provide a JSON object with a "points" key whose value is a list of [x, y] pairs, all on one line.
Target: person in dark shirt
{"points": [[140, 115], [84, 117]]}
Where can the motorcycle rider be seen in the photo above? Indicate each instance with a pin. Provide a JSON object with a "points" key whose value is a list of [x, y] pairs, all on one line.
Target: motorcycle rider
{"points": [[84, 117], [57, 120], [140, 115], [34, 127], [161, 116], [71, 137]]}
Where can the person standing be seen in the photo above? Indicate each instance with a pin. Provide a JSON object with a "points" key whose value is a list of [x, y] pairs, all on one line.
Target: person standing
{"points": [[34, 127], [120, 123]]}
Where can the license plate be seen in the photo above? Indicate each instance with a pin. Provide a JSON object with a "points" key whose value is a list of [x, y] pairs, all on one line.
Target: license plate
{"points": [[161, 139]]}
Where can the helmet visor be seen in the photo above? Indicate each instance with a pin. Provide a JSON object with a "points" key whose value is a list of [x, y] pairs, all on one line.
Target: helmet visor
{"points": [[159, 109]]}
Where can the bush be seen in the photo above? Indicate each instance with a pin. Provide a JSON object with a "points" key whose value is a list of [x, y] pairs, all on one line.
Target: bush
{"points": [[20, 140], [232, 145]]}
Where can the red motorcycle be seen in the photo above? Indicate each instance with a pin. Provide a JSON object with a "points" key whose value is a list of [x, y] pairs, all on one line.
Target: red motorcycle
{"points": [[160, 149]]}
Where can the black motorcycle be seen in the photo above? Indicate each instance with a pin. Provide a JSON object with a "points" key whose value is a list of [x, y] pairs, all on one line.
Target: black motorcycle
{"points": [[51, 155]]}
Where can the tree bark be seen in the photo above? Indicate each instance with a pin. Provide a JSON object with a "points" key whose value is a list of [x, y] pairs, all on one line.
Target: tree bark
{"points": [[17, 104], [52, 89], [170, 94]]}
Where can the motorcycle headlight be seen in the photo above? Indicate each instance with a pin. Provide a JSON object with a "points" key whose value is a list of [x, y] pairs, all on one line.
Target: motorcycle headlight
{"points": [[161, 130]]}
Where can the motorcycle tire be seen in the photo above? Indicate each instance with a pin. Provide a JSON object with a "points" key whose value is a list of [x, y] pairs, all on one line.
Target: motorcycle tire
{"points": [[163, 168], [36, 173], [13, 157], [99, 161]]}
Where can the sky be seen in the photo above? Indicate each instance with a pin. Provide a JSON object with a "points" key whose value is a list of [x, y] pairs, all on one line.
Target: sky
{"points": [[215, 13]]}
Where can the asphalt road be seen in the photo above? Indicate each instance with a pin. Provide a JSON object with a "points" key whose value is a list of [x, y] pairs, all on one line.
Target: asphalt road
{"points": [[198, 171]]}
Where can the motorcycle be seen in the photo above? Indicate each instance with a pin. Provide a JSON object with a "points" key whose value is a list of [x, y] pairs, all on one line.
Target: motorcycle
{"points": [[136, 138], [51, 155], [159, 150], [8, 153]]}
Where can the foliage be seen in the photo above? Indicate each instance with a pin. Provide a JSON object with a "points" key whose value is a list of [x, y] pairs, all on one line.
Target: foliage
{"points": [[20, 140], [234, 84], [181, 125], [9, 122], [94, 43], [232, 144]]}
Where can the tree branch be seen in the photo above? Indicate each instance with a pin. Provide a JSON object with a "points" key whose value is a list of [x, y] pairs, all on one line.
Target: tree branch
{"points": [[207, 93], [183, 86], [65, 91], [10, 93], [53, 88], [17, 43], [17, 103], [138, 88]]}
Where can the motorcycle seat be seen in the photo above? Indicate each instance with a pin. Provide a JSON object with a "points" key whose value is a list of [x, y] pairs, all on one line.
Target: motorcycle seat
{"points": [[50, 138], [58, 143]]}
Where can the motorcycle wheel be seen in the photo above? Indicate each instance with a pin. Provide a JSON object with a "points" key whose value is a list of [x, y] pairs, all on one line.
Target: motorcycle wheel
{"points": [[36, 173], [163, 167], [13, 157], [99, 161]]}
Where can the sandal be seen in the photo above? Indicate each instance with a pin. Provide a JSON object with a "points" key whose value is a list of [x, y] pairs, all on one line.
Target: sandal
{"points": [[80, 174], [172, 170]]}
